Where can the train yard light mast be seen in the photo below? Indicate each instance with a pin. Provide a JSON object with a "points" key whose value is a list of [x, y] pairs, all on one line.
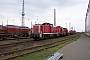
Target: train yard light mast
{"points": [[54, 17], [69, 26], [23, 14]]}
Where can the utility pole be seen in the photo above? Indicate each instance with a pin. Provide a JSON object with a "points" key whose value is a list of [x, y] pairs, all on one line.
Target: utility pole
{"points": [[23, 14]]}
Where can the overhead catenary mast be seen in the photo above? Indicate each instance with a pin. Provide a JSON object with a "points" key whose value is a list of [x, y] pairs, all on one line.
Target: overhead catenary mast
{"points": [[23, 14]]}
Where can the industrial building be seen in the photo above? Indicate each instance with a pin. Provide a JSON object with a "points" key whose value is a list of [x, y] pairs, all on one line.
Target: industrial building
{"points": [[87, 21]]}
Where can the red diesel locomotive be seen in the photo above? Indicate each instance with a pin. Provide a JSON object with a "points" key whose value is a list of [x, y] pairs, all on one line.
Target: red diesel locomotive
{"points": [[39, 31], [71, 32], [15, 31], [47, 30]]}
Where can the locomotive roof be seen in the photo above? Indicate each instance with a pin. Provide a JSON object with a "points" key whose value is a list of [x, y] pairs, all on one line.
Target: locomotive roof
{"points": [[47, 23], [1, 25], [17, 26], [11, 25], [23, 27], [64, 28]]}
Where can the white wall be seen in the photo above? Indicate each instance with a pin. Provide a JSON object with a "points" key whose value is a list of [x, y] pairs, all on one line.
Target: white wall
{"points": [[88, 22]]}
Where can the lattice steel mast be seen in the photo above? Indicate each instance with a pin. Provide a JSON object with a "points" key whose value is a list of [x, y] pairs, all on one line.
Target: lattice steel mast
{"points": [[23, 14]]}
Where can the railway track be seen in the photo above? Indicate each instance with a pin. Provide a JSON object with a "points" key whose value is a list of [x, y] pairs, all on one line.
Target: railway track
{"points": [[13, 44], [13, 54], [9, 45]]}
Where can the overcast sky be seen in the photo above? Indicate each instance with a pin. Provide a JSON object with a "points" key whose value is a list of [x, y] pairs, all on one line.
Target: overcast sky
{"points": [[66, 11]]}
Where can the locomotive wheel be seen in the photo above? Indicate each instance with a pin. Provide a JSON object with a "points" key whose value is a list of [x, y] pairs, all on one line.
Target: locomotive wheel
{"points": [[36, 38], [4, 38]]}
